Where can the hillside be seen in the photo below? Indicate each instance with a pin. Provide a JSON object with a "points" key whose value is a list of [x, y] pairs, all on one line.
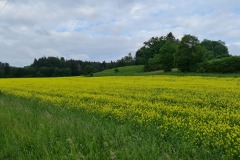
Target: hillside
{"points": [[136, 70], [122, 71]]}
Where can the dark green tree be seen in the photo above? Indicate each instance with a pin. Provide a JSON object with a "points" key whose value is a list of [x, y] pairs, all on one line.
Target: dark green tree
{"points": [[142, 56], [104, 65], [189, 54], [88, 70], [1, 72], [125, 61], [2, 69], [166, 55], [153, 64], [7, 69], [170, 37], [216, 49], [150, 48]]}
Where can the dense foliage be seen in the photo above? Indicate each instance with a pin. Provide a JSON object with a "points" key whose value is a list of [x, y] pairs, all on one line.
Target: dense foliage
{"points": [[56, 67], [167, 52], [223, 65], [4, 69], [189, 54], [215, 49]]}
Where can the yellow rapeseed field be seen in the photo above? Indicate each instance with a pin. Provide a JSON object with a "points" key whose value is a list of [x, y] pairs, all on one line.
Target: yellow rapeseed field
{"points": [[203, 110]]}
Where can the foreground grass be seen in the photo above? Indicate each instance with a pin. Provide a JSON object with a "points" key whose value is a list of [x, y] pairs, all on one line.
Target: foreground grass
{"points": [[34, 130]]}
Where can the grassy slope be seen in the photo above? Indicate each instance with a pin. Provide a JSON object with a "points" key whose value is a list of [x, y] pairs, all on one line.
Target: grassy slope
{"points": [[138, 71], [33, 130], [123, 71]]}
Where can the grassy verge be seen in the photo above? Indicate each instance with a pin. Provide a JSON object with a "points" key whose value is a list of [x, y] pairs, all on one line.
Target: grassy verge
{"points": [[33, 130], [122, 71], [138, 71]]}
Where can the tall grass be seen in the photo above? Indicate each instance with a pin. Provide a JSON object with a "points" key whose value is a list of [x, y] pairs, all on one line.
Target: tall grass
{"points": [[36, 130]]}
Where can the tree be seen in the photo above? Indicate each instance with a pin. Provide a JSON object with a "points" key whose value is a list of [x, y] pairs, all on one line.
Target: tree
{"points": [[170, 37], [30, 71], [1, 72], [166, 55], [149, 50], [146, 54], [129, 59], [189, 53], [1, 69], [153, 64], [142, 56], [88, 70], [47, 72], [7, 69], [125, 61], [104, 65], [216, 49]]}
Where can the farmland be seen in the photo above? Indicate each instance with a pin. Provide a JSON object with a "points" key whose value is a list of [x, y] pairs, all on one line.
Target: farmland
{"points": [[201, 111]]}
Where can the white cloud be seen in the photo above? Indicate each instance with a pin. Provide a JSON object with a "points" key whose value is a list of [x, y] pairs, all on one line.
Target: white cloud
{"points": [[50, 52], [106, 30], [234, 48], [83, 57]]}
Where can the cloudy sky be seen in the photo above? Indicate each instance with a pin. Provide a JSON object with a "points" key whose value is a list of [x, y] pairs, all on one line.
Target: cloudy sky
{"points": [[108, 29]]}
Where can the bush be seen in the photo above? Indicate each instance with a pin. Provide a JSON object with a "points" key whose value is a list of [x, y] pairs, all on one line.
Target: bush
{"points": [[89, 75], [116, 70], [223, 65]]}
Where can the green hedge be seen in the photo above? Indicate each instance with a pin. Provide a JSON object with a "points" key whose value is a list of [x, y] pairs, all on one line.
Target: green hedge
{"points": [[223, 65]]}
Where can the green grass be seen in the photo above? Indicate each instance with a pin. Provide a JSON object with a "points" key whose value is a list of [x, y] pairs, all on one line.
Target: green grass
{"points": [[122, 71], [33, 130], [137, 70]]}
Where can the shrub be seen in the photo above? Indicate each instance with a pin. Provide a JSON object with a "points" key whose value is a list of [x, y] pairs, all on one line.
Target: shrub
{"points": [[116, 70], [223, 65]]}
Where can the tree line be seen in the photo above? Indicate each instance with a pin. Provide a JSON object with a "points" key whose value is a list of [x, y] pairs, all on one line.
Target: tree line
{"points": [[57, 67]]}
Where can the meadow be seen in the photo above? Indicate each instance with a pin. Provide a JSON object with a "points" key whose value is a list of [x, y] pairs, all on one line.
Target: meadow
{"points": [[171, 117]]}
